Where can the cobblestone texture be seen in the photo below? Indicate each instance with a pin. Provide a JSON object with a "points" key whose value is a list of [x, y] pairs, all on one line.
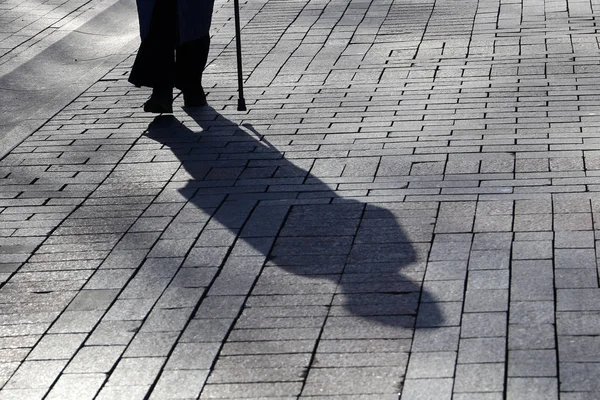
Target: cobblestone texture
{"points": [[408, 210], [28, 23]]}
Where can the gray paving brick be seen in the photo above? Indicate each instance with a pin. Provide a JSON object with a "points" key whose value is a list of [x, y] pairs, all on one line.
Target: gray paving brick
{"points": [[481, 350], [486, 300], [135, 371], [439, 339], [532, 363], [181, 384], [576, 299], [166, 320], [352, 381], [134, 392], [449, 251], [488, 279], [254, 390], [533, 222], [94, 359], [129, 310], [492, 241], [576, 278], [76, 322], [36, 374], [431, 365], [481, 325], [93, 300], [527, 250], [195, 356], [443, 291], [446, 270], [478, 396], [423, 389], [577, 395], [575, 258], [439, 314], [153, 344], [263, 361], [347, 360], [124, 258], [574, 239], [237, 375], [24, 393], [572, 222], [479, 378], [489, 260], [76, 386], [579, 377], [113, 333], [531, 337], [536, 312], [56, 347], [532, 388]]}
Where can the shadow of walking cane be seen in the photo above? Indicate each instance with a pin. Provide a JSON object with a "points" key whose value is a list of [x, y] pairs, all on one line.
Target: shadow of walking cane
{"points": [[359, 249]]}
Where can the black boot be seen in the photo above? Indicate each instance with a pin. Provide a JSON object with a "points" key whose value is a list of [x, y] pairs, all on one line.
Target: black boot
{"points": [[190, 63], [194, 98], [161, 101]]}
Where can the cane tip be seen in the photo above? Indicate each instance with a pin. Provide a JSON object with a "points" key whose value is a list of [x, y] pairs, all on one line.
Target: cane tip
{"points": [[241, 104]]}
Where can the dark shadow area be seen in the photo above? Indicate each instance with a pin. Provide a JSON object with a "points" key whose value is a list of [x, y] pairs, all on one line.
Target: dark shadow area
{"points": [[360, 247]]}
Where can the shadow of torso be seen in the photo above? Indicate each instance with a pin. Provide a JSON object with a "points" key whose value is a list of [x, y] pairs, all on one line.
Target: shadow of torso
{"points": [[314, 242]]}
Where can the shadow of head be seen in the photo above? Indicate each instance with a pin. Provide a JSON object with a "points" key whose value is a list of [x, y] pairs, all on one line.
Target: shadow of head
{"points": [[318, 248]]}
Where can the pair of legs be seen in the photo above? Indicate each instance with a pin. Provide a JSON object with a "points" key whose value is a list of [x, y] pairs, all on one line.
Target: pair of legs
{"points": [[163, 63]]}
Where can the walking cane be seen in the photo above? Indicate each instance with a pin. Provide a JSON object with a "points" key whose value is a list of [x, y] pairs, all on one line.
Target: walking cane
{"points": [[238, 44]]}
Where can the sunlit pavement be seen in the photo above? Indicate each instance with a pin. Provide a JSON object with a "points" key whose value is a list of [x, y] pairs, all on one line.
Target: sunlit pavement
{"points": [[407, 210]]}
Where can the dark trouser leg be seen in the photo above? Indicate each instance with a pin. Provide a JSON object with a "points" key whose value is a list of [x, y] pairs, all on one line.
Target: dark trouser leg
{"points": [[154, 64], [190, 63]]}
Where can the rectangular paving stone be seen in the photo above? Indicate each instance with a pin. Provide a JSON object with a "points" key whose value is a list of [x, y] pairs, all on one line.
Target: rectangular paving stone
{"points": [[57, 347], [532, 363], [109, 333], [195, 356], [481, 350], [254, 390], [417, 389], [531, 336], [441, 339], [135, 371], [264, 361], [431, 365], [93, 300], [166, 319], [481, 325], [489, 259], [76, 386], [577, 299], [133, 391], [94, 359], [36, 374], [352, 381], [479, 378], [180, 384], [532, 388], [486, 300]]}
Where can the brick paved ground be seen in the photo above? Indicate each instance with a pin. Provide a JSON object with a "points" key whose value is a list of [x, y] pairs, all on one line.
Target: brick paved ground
{"points": [[407, 210], [26, 23]]}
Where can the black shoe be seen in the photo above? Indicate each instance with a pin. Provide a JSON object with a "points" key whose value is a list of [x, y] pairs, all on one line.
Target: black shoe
{"points": [[194, 98], [160, 102]]}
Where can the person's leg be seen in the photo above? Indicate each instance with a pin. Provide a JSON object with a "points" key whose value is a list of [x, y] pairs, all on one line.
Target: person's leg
{"points": [[154, 65], [191, 59]]}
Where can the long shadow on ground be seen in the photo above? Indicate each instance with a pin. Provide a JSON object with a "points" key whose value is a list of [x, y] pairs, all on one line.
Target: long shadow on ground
{"points": [[360, 247]]}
